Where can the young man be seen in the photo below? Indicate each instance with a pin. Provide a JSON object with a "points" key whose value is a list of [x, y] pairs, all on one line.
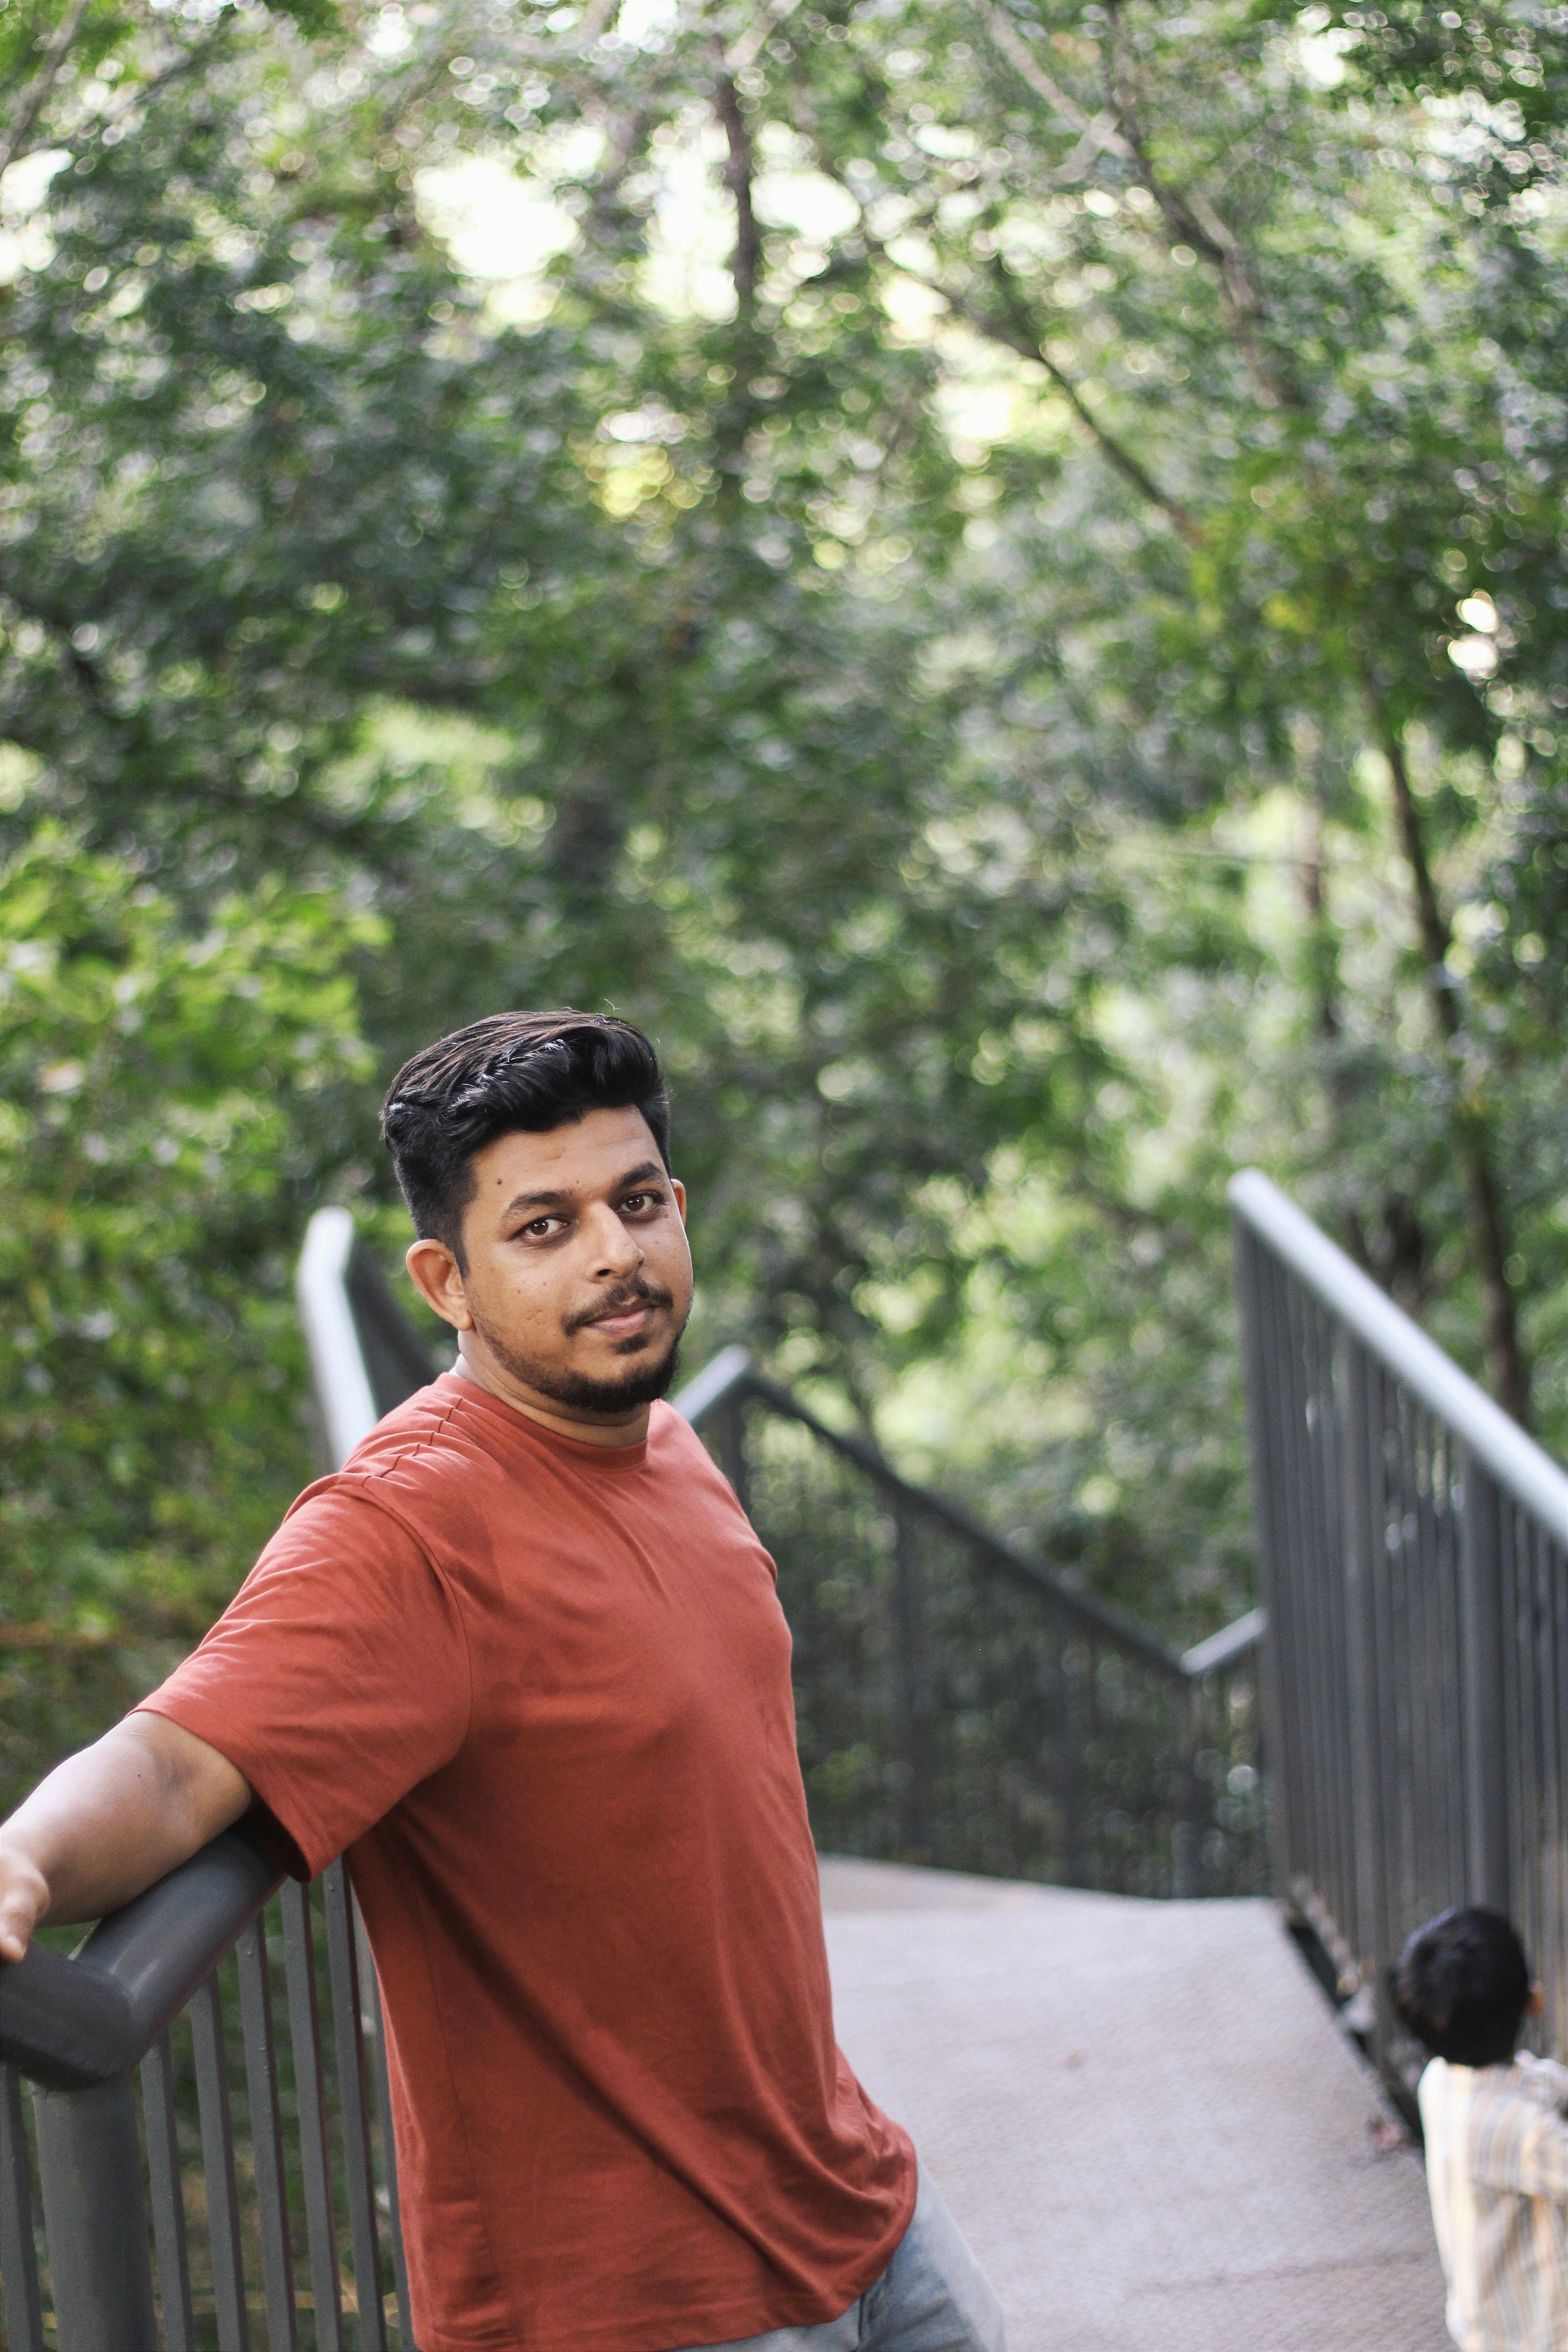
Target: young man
{"points": [[522, 1659], [1493, 2120]]}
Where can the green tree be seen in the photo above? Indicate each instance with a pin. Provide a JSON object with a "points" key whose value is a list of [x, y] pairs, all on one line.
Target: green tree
{"points": [[167, 1111]]}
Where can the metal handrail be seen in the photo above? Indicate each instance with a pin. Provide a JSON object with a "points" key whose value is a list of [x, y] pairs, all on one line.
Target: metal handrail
{"points": [[1489, 1434], [71, 2022], [731, 1377], [1413, 1553]]}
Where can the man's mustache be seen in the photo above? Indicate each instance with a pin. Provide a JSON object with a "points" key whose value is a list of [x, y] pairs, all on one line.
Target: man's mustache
{"points": [[636, 1293]]}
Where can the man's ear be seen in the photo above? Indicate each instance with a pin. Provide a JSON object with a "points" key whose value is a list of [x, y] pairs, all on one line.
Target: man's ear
{"points": [[439, 1278], [679, 1189]]}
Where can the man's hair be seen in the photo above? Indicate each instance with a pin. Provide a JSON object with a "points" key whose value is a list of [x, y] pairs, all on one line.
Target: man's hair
{"points": [[1462, 1984], [529, 1071]]}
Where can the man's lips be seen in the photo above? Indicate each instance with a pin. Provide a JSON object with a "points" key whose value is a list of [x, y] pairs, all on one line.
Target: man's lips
{"points": [[623, 1317], [623, 1320]]}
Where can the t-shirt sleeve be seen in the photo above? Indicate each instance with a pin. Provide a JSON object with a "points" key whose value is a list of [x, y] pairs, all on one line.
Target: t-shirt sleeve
{"points": [[338, 1677]]}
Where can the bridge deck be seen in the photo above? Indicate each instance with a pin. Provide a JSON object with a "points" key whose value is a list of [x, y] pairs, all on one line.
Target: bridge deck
{"points": [[1142, 2114]]}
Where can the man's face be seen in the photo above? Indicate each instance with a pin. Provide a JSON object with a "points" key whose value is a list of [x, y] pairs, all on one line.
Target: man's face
{"points": [[578, 1280]]}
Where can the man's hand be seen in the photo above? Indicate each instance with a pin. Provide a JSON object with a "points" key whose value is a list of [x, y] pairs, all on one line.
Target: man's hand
{"points": [[109, 1821], [24, 1900]]}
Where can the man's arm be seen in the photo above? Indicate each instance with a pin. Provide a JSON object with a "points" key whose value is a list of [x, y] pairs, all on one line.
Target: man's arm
{"points": [[109, 1821]]}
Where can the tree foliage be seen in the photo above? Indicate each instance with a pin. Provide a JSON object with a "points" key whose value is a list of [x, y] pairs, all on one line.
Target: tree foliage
{"points": [[993, 572]]}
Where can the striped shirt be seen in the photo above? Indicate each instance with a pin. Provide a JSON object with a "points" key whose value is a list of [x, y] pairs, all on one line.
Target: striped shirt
{"points": [[1497, 2168]]}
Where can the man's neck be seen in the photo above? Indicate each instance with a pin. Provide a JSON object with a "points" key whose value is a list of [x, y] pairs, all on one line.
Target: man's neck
{"points": [[610, 1430]]}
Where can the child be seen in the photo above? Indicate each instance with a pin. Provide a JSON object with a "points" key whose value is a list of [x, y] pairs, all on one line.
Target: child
{"points": [[1496, 2131]]}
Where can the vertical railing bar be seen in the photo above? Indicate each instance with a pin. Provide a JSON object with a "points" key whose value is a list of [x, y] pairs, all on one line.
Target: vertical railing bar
{"points": [[1485, 1711], [909, 1677], [315, 2164], [348, 2041], [1398, 1597], [1296, 1595], [1324, 1736], [167, 2195], [1262, 1405], [1361, 1383], [1550, 1813], [389, 2162], [1551, 1960], [267, 2139], [217, 2166], [21, 2303], [1327, 1741], [1453, 1647], [1527, 1894]]}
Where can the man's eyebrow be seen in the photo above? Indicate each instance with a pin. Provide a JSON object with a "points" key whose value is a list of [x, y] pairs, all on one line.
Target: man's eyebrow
{"points": [[639, 1174], [541, 1200]]}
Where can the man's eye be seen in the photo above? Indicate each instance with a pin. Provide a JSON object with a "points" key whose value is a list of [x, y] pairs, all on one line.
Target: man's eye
{"points": [[640, 1201], [541, 1225]]}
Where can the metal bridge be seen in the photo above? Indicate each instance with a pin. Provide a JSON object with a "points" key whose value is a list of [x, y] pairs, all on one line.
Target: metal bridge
{"points": [[1064, 1864]]}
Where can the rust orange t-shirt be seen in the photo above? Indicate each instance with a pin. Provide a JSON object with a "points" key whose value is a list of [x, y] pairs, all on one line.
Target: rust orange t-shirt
{"points": [[540, 1691]]}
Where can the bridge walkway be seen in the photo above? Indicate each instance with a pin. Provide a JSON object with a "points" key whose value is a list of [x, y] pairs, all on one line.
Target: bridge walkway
{"points": [[1144, 2115]]}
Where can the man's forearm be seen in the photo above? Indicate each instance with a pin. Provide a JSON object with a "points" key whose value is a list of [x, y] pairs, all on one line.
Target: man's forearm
{"points": [[107, 1823]]}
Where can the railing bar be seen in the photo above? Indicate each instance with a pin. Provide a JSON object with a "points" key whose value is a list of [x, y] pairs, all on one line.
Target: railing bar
{"points": [[315, 2166], [1297, 1650], [1549, 1961], [1324, 1743], [1402, 1642], [218, 2165], [1446, 1778], [19, 2299], [1447, 1783], [267, 2139], [348, 2041], [1095, 1615], [1328, 1711], [168, 2196], [1290, 1597], [389, 2163], [1551, 1825], [1529, 1742], [1514, 1458], [1452, 1764]]}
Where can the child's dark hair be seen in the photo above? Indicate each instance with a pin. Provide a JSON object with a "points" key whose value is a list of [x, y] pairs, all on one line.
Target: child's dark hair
{"points": [[532, 1071], [1462, 1985]]}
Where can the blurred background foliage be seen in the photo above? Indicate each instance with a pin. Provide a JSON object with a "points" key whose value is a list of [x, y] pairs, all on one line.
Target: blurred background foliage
{"points": [[993, 570]]}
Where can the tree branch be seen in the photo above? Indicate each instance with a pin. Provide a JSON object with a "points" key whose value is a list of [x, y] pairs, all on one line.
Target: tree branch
{"points": [[746, 261], [1192, 220], [1507, 1369], [36, 95]]}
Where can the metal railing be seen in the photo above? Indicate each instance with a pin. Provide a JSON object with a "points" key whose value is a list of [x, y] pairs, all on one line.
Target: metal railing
{"points": [[178, 1989], [1413, 1558], [959, 1702]]}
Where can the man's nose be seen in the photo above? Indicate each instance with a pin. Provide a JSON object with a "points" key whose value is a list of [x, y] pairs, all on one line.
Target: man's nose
{"points": [[616, 1250]]}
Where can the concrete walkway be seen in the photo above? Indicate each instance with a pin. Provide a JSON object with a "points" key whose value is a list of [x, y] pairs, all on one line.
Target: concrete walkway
{"points": [[1144, 2115]]}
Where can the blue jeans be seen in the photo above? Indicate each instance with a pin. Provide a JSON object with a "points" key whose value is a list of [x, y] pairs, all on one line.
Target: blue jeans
{"points": [[933, 2297]]}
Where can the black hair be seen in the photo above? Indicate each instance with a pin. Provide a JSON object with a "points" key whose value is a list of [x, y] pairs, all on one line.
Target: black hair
{"points": [[1462, 1985], [529, 1071]]}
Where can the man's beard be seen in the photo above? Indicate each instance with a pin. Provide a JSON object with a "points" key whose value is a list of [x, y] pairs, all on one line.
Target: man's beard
{"points": [[640, 1384]]}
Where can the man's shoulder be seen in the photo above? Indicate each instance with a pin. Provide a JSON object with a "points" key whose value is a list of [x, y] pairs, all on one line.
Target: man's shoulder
{"points": [[424, 1455]]}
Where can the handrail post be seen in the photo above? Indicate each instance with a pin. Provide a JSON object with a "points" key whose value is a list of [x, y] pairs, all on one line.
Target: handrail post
{"points": [[1265, 1445], [95, 2218], [1484, 1726], [1359, 1534], [909, 1668]]}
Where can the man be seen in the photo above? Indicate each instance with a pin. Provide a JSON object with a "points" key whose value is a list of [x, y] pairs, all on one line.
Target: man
{"points": [[522, 1659]]}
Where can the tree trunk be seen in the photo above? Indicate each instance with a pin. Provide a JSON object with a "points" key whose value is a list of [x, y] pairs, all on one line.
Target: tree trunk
{"points": [[1507, 1370]]}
